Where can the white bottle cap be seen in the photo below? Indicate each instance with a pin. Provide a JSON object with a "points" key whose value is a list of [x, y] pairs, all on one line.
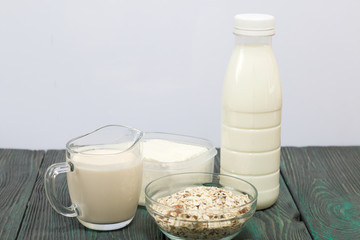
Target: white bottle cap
{"points": [[254, 25]]}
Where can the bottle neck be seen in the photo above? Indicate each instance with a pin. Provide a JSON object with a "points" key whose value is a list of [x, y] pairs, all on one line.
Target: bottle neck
{"points": [[261, 40]]}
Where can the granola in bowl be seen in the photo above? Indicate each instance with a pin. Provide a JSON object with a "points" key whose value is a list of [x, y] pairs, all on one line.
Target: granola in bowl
{"points": [[202, 212]]}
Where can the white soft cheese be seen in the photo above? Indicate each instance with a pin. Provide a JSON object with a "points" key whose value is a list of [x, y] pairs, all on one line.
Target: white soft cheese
{"points": [[168, 151]]}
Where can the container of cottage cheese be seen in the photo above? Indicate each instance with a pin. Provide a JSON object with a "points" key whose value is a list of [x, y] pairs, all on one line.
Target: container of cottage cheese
{"points": [[166, 153]]}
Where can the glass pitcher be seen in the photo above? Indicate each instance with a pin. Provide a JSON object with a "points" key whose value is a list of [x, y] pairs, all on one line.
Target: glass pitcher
{"points": [[104, 175]]}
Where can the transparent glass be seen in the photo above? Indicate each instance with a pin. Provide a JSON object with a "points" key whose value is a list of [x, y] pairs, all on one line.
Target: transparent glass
{"points": [[104, 176], [155, 169], [178, 222]]}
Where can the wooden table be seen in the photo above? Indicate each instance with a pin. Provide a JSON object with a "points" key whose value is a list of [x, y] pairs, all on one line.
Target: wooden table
{"points": [[319, 199]]}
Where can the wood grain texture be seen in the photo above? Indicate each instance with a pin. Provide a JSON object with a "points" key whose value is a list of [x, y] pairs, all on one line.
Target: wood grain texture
{"points": [[281, 221], [325, 183], [18, 172]]}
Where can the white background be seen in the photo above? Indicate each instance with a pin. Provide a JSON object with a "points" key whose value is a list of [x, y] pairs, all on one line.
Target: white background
{"points": [[68, 67]]}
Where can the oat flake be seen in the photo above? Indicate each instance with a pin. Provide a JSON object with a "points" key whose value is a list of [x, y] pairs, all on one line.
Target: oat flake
{"points": [[220, 207]]}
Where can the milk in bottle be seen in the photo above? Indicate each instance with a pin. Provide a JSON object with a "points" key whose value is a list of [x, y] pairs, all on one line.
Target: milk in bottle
{"points": [[251, 108]]}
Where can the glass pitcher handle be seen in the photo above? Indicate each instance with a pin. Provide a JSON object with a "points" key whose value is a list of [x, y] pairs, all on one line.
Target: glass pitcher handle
{"points": [[49, 180]]}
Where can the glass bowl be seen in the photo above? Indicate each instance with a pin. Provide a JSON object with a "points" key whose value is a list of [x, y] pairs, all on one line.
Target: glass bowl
{"points": [[187, 216]]}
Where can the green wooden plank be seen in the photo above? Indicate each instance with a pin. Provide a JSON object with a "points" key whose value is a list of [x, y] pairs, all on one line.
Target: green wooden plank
{"points": [[18, 172], [325, 183], [281, 221], [41, 222]]}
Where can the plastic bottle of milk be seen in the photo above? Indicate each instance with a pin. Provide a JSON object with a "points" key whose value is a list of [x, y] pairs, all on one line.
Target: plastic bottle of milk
{"points": [[251, 108]]}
